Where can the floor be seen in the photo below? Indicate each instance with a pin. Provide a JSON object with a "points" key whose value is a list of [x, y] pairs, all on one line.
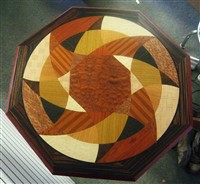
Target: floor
{"points": [[21, 18]]}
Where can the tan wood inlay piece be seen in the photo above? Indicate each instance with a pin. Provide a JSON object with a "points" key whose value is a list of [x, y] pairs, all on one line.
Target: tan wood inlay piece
{"points": [[141, 108], [75, 149], [50, 87], [126, 27], [168, 104], [135, 84], [125, 61], [65, 81], [37, 60]]}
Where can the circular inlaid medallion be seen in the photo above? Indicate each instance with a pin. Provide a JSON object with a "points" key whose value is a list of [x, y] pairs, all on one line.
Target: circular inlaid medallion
{"points": [[100, 89]]}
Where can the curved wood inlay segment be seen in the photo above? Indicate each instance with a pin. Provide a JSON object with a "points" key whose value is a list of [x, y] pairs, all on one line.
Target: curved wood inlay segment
{"points": [[33, 105], [75, 149], [162, 58]]}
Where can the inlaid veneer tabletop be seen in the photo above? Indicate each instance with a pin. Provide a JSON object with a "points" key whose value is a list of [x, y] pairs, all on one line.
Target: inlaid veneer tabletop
{"points": [[100, 93]]}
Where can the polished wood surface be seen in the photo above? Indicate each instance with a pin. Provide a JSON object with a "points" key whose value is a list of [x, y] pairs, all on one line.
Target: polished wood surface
{"points": [[100, 89]]}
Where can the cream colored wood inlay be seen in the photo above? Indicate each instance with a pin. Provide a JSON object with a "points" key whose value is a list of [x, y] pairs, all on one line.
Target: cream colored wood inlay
{"points": [[166, 109], [125, 61], [135, 84], [73, 105], [123, 26], [73, 147], [37, 59]]}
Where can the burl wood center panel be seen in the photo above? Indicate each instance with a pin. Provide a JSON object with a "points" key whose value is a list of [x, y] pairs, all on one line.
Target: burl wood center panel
{"points": [[104, 91]]}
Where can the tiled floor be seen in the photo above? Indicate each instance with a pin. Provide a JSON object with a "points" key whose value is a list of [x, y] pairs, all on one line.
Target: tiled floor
{"points": [[21, 18]]}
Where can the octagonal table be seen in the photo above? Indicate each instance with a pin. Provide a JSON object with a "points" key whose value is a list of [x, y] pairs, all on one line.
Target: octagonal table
{"points": [[100, 93]]}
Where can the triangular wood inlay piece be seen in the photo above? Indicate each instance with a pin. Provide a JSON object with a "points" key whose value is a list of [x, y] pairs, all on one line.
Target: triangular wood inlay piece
{"points": [[54, 112], [132, 127], [70, 43]]}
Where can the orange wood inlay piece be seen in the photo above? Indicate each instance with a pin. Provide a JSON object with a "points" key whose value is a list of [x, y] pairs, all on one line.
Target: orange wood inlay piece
{"points": [[100, 83], [74, 27], [131, 146], [98, 116], [70, 122], [53, 42], [108, 130], [124, 47], [154, 92], [162, 58], [33, 105], [61, 60], [141, 108]]}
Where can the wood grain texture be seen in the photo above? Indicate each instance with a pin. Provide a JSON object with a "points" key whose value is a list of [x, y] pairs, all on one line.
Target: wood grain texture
{"points": [[61, 60], [34, 105], [37, 60], [138, 143], [162, 58], [167, 103], [121, 159], [100, 83], [50, 87], [154, 92], [145, 73], [93, 39], [64, 124], [135, 84], [107, 131], [60, 34], [141, 108], [77, 149], [126, 27], [125, 46]]}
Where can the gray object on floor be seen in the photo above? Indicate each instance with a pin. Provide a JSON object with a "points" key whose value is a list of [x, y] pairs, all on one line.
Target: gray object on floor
{"points": [[195, 62], [19, 163]]}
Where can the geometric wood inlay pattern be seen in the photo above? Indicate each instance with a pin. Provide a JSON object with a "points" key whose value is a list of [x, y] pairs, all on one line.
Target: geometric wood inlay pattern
{"points": [[100, 93], [107, 78]]}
